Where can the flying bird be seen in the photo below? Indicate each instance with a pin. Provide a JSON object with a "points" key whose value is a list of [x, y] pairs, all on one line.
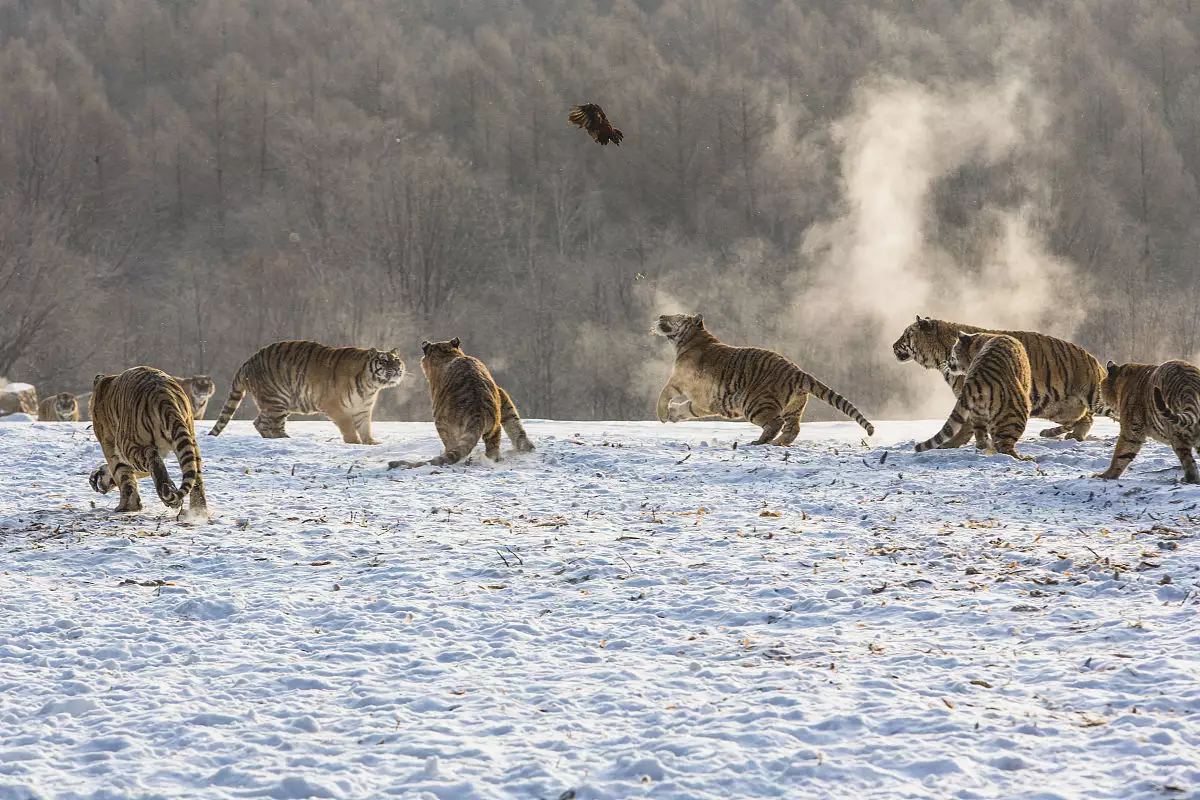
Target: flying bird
{"points": [[590, 117]]}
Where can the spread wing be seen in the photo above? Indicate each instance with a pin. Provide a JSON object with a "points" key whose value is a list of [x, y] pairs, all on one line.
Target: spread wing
{"points": [[592, 119]]}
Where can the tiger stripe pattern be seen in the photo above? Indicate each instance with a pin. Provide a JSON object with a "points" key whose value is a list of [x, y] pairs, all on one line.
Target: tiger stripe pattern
{"points": [[200, 389], [139, 417], [468, 405], [711, 378], [1066, 378], [302, 377], [994, 397], [61, 407], [1158, 402]]}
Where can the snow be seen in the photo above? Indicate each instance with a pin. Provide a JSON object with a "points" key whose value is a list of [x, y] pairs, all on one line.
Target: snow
{"points": [[16, 388], [633, 610]]}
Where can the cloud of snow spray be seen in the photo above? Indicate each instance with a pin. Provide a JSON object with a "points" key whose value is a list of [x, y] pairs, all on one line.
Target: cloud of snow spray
{"points": [[877, 266]]}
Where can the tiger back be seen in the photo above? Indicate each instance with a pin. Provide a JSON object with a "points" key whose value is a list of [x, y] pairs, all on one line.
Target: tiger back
{"points": [[994, 397], [1160, 402], [716, 379], [1065, 378], [139, 417], [302, 377], [468, 405], [61, 407]]}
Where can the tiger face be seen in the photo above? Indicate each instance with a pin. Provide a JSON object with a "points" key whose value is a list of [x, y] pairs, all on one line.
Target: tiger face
{"points": [[962, 354], [386, 367], [678, 326], [202, 389], [65, 405], [1108, 400], [924, 342], [441, 352]]}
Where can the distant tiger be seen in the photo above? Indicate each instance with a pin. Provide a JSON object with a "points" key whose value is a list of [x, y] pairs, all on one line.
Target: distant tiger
{"points": [[1065, 385], [716, 379], [994, 396], [468, 406], [61, 407], [310, 378], [140, 416], [1160, 402], [199, 388]]}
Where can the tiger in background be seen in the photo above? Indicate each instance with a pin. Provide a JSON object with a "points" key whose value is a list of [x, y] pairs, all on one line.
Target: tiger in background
{"points": [[199, 388], [717, 379], [1065, 384], [1160, 402], [140, 416], [994, 394], [302, 377], [61, 407], [468, 406]]}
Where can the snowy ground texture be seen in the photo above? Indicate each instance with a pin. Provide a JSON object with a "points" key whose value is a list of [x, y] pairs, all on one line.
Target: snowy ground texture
{"points": [[635, 610]]}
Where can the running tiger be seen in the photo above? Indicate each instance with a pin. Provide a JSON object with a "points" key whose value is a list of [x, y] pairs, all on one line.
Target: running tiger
{"points": [[467, 406], [310, 378], [994, 393], [61, 407], [1065, 384], [717, 379], [199, 388], [139, 416], [1160, 402]]}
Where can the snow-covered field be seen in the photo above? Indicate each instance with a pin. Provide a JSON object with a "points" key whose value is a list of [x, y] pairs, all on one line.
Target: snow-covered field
{"points": [[634, 610]]}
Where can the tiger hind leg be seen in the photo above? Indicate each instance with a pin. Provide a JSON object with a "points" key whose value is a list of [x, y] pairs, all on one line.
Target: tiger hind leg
{"points": [[791, 424], [510, 420], [1006, 433], [101, 479], [270, 421], [1183, 449], [771, 423], [1076, 429], [491, 444], [197, 508], [123, 476], [163, 485]]}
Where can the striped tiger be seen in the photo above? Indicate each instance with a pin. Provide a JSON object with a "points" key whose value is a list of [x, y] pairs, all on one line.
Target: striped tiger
{"points": [[1065, 378], [310, 378], [468, 406], [139, 416], [716, 379], [1160, 402], [61, 407], [199, 388], [994, 396]]}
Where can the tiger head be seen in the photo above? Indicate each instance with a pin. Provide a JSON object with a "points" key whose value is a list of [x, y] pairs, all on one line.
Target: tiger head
{"points": [[438, 353], [385, 367], [65, 405], [678, 327], [966, 347], [1108, 399], [927, 341], [201, 388]]}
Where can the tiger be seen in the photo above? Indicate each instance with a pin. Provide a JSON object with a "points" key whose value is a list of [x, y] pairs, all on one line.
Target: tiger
{"points": [[716, 379], [1160, 402], [1065, 384], [994, 394], [139, 416], [199, 389], [468, 406], [61, 407], [301, 377]]}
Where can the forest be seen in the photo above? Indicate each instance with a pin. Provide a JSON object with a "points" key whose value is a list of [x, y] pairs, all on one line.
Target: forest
{"points": [[185, 181]]}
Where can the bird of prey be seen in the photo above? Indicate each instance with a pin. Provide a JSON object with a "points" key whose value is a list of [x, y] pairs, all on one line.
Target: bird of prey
{"points": [[590, 117]]}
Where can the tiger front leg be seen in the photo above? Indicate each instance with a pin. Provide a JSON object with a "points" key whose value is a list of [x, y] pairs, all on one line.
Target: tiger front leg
{"points": [[362, 422], [345, 425], [1128, 445], [668, 393], [680, 411]]}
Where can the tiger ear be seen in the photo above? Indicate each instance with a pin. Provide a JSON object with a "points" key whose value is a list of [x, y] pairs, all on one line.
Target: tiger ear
{"points": [[455, 342], [424, 345], [965, 337], [1111, 367], [924, 322], [97, 380], [699, 319]]}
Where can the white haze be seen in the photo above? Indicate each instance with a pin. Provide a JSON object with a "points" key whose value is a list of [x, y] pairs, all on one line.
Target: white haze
{"points": [[877, 266]]}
